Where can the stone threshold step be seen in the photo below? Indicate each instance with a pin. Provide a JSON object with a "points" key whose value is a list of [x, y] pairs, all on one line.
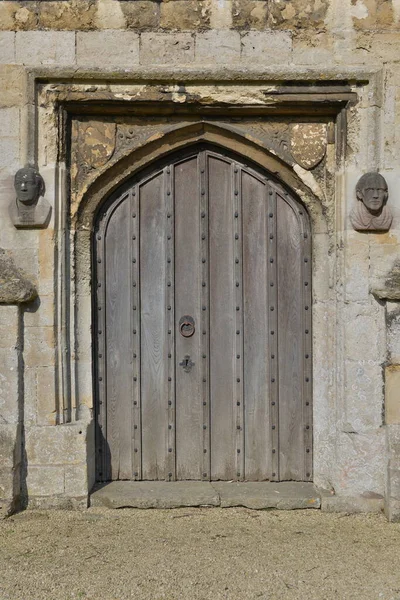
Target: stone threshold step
{"points": [[161, 494]]}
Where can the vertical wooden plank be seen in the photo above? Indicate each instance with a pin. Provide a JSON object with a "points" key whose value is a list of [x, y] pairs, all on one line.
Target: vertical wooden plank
{"points": [[205, 315], [188, 261], [103, 464], [290, 324], [256, 268], [135, 327], [239, 360], [154, 327], [170, 317], [222, 319], [273, 331], [307, 345], [118, 339]]}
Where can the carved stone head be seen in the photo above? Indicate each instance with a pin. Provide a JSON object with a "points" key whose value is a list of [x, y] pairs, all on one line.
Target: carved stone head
{"points": [[371, 212], [29, 185], [372, 190]]}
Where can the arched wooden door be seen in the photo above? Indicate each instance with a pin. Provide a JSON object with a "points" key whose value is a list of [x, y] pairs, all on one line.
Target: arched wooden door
{"points": [[203, 325]]}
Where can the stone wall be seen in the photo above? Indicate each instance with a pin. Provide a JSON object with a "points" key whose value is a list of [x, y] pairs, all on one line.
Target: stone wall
{"points": [[251, 47]]}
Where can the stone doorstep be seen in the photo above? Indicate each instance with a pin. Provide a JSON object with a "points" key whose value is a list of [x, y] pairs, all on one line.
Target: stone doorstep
{"points": [[162, 494]]}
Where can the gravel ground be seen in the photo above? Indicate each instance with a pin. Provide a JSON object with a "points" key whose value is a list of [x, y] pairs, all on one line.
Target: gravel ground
{"points": [[198, 553]]}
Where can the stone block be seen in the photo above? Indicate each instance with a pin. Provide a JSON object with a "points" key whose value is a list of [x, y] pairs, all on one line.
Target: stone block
{"points": [[310, 50], [85, 383], [360, 463], [384, 266], [7, 12], [299, 15], [25, 17], [141, 14], [250, 14], [364, 396], [108, 48], [109, 15], [357, 268], [9, 122], [40, 312], [266, 47], [263, 495], [70, 15], [221, 15], [394, 481], [373, 14], [184, 15], [323, 267], [45, 481], [7, 47], [393, 442], [392, 395], [46, 260], [46, 396], [10, 445], [352, 504], [9, 152], [30, 396], [9, 388], [56, 445], [166, 48], [9, 326], [76, 480], [364, 332], [324, 366], [84, 320], [39, 348], [25, 265], [218, 47], [45, 48], [155, 494], [12, 83], [9, 490], [57, 502], [392, 510]]}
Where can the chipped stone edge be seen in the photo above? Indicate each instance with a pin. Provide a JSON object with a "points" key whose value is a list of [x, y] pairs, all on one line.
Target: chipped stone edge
{"points": [[15, 288]]}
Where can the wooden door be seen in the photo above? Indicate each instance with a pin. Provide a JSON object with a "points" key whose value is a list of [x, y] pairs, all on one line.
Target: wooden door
{"points": [[203, 325]]}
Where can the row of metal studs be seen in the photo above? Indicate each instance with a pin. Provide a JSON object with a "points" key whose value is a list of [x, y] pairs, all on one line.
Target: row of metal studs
{"points": [[272, 295], [204, 324], [307, 383], [135, 327], [100, 321], [238, 409], [170, 320]]}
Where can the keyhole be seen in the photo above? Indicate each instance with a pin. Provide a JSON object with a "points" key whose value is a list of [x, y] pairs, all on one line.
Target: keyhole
{"points": [[186, 363]]}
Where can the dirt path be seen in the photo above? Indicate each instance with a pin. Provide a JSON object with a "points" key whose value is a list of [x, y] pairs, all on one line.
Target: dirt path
{"points": [[198, 554]]}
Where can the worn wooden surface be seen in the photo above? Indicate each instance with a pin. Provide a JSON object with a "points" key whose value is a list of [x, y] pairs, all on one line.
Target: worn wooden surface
{"points": [[204, 235]]}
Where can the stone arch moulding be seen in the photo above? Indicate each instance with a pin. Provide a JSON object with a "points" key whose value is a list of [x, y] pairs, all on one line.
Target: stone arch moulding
{"points": [[78, 269], [260, 149]]}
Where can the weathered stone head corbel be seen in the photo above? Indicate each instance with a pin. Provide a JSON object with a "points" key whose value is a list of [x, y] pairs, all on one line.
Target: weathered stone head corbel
{"points": [[29, 210], [371, 212]]}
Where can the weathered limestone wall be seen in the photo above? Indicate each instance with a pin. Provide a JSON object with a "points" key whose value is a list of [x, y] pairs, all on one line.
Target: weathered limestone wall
{"points": [[357, 430]]}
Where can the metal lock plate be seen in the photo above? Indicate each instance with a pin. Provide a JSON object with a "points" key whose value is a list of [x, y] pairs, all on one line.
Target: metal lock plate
{"points": [[186, 326]]}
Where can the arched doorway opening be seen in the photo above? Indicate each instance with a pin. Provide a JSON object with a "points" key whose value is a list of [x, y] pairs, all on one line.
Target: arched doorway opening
{"points": [[203, 324]]}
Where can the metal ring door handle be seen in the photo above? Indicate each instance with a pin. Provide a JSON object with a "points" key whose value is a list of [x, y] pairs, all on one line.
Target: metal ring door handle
{"points": [[186, 326]]}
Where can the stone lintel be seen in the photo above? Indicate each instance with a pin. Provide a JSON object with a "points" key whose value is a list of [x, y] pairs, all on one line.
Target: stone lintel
{"points": [[201, 73]]}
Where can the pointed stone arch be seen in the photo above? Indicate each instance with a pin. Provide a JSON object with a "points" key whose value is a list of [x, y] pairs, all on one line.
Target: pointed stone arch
{"points": [[259, 149]]}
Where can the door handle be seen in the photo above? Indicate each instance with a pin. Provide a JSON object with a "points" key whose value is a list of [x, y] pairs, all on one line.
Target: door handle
{"points": [[186, 326]]}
